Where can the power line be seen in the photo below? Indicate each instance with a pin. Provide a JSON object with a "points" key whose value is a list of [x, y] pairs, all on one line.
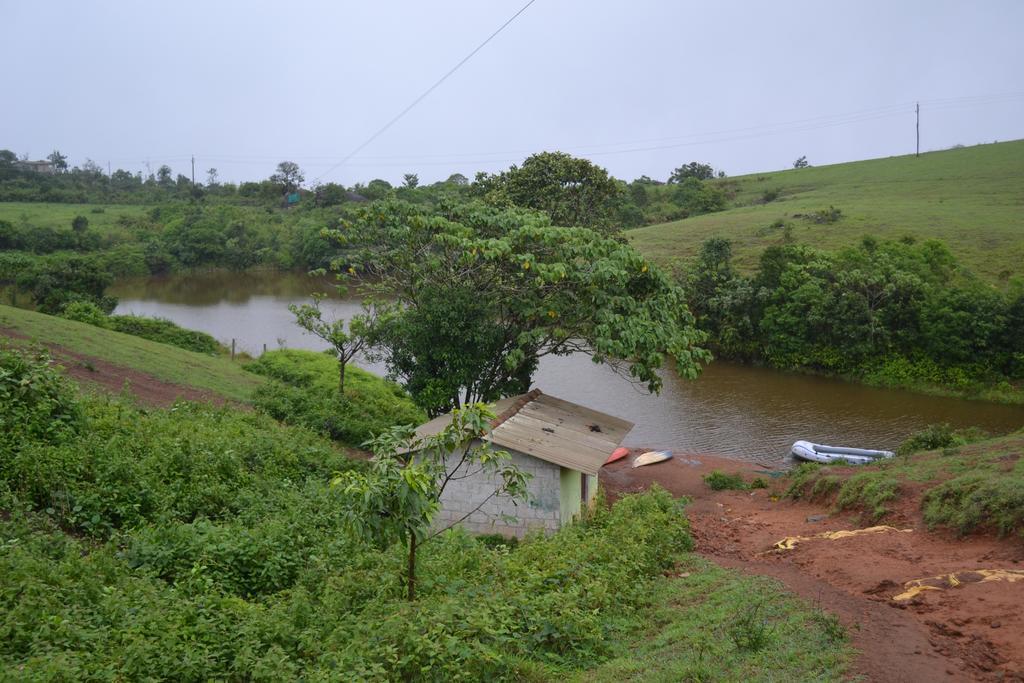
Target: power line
{"points": [[692, 139], [426, 92]]}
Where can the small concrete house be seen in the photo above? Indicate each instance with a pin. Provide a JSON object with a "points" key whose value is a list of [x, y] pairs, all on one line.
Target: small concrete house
{"points": [[561, 444]]}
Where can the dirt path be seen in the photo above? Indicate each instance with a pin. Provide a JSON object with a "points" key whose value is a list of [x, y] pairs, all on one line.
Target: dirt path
{"points": [[96, 372], [972, 632]]}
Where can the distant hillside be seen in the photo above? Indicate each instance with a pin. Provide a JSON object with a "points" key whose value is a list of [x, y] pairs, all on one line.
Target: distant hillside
{"points": [[971, 198]]}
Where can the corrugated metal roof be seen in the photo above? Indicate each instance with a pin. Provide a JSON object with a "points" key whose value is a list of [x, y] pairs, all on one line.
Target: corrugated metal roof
{"points": [[561, 432]]}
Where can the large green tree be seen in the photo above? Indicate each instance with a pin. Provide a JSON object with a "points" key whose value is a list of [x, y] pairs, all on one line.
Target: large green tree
{"points": [[469, 298], [572, 191], [694, 169], [288, 176]]}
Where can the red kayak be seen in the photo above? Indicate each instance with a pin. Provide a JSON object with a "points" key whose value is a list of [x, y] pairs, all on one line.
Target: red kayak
{"points": [[617, 454]]}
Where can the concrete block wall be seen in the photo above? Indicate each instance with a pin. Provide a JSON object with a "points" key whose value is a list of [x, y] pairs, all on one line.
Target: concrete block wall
{"points": [[540, 512]]}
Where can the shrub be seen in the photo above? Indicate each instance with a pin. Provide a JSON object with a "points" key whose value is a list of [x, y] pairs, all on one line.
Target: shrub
{"points": [[936, 436], [720, 481], [977, 500], [306, 393], [166, 332], [36, 401], [770, 195], [829, 215], [86, 312]]}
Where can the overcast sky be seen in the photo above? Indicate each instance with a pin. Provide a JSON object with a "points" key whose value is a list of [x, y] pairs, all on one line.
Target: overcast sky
{"points": [[637, 86]]}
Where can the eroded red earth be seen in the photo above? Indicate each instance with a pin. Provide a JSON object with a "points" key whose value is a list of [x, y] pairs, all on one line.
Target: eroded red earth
{"points": [[970, 632]]}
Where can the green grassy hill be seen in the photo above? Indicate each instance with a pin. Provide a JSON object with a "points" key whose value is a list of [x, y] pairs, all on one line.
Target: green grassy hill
{"points": [[102, 217], [214, 374], [971, 198]]}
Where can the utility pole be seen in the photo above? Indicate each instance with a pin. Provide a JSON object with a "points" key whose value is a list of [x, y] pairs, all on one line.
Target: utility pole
{"points": [[917, 110], [193, 170], [108, 169]]}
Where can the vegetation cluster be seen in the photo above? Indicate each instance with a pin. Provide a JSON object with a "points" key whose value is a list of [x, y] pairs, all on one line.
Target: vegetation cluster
{"points": [[154, 329], [304, 391], [892, 313], [201, 543]]}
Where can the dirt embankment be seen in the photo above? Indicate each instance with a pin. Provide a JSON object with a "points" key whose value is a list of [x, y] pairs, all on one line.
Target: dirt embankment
{"points": [[970, 628], [147, 389]]}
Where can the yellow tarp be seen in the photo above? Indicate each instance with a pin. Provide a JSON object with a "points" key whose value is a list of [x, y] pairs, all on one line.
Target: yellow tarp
{"points": [[944, 581], [791, 542]]}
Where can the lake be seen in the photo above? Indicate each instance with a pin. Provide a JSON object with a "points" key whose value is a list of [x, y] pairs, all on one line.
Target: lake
{"points": [[735, 410]]}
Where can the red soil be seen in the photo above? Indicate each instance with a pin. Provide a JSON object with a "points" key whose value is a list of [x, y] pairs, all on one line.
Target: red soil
{"points": [[973, 632]]}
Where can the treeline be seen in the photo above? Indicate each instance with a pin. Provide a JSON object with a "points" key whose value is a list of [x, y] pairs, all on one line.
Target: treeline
{"points": [[895, 313], [56, 265], [573, 191]]}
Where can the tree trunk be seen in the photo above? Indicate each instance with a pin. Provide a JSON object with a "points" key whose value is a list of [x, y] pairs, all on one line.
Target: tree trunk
{"points": [[410, 578], [341, 378]]}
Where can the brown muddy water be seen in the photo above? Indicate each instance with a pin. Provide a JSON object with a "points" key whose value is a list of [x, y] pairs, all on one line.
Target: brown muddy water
{"points": [[735, 410]]}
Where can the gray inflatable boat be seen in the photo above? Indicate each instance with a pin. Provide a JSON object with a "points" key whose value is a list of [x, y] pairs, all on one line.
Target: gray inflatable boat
{"points": [[816, 452]]}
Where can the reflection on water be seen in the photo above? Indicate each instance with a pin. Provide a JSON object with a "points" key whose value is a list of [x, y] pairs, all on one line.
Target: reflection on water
{"points": [[746, 412]]}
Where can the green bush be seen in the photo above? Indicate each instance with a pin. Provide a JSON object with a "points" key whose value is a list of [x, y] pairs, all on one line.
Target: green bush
{"points": [[86, 312], [936, 436], [36, 401], [154, 329], [306, 393], [720, 481], [978, 500], [166, 332]]}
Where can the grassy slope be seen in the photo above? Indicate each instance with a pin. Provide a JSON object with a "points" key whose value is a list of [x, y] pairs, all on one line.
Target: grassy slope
{"points": [[970, 198], [53, 215], [976, 487], [218, 375]]}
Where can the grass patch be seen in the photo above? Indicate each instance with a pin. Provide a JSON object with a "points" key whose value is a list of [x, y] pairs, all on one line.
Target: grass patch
{"points": [[217, 375], [305, 392], [717, 625], [59, 216], [969, 198]]}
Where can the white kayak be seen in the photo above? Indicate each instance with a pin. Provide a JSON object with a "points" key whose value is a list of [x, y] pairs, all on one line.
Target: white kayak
{"points": [[651, 457], [816, 452]]}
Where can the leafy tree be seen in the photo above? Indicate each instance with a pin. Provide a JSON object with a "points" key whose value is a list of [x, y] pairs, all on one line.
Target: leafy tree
{"points": [[163, 176], [289, 176], [92, 168], [457, 179], [410, 181], [572, 191], [694, 169], [56, 282], [398, 498], [345, 344], [7, 157], [124, 181], [211, 177], [638, 191], [801, 163], [59, 161], [477, 295], [375, 189], [80, 224], [697, 196]]}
